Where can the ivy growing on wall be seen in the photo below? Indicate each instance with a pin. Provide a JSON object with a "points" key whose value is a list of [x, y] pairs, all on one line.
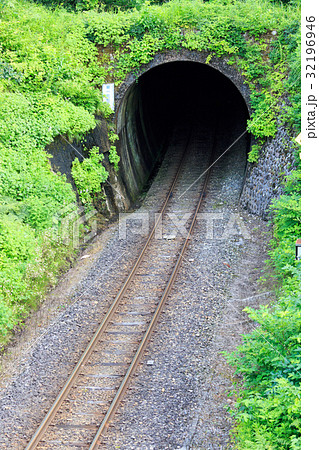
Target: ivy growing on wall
{"points": [[260, 39], [88, 175]]}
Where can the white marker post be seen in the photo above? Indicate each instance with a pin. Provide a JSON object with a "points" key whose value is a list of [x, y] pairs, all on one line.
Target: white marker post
{"points": [[108, 94]]}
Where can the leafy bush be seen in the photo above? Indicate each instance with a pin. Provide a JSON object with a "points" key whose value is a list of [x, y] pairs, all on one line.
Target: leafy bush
{"points": [[287, 228], [271, 421], [17, 240], [272, 350], [114, 157], [48, 77], [253, 155], [268, 409], [7, 318], [88, 175], [84, 5]]}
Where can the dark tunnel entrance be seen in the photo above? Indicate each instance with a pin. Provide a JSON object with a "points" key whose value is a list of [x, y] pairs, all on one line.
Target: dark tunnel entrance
{"points": [[170, 94]]}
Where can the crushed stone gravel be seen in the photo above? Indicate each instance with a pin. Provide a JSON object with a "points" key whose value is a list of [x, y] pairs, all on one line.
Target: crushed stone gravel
{"points": [[178, 397]]}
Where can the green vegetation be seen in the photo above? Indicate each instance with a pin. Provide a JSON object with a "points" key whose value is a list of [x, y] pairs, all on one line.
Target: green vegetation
{"points": [[51, 71], [84, 5], [88, 175], [268, 407], [261, 39]]}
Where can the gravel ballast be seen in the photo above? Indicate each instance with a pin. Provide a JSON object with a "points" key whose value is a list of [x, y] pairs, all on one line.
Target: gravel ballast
{"points": [[178, 396]]}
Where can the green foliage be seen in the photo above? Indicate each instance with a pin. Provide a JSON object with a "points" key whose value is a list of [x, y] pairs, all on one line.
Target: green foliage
{"points": [[85, 5], [88, 175], [7, 318], [253, 155], [49, 55], [49, 78], [31, 195], [113, 156], [272, 350], [269, 62], [287, 220], [271, 421], [268, 409], [287, 228], [16, 239]]}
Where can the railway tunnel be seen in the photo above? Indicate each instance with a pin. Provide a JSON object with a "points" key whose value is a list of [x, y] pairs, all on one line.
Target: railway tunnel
{"points": [[171, 94]]}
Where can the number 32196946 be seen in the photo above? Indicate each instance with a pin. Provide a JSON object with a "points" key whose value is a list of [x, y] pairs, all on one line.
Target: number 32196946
{"points": [[310, 47]]}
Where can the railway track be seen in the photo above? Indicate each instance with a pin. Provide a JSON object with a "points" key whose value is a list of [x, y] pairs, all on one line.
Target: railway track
{"points": [[87, 403]]}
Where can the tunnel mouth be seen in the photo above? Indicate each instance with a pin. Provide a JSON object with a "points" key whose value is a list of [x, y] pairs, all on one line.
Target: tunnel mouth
{"points": [[173, 93]]}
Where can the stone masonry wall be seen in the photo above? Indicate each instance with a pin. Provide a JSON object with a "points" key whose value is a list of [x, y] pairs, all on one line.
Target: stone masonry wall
{"points": [[264, 179]]}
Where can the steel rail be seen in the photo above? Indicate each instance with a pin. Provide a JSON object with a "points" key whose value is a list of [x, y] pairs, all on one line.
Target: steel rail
{"points": [[125, 382], [38, 435]]}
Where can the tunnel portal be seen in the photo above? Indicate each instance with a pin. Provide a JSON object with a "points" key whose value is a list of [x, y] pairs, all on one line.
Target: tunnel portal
{"points": [[167, 95]]}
